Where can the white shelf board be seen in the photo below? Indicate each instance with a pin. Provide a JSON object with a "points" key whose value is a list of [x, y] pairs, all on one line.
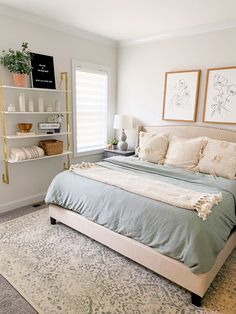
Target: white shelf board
{"points": [[66, 152], [17, 137], [36, 89], [37, 112]]}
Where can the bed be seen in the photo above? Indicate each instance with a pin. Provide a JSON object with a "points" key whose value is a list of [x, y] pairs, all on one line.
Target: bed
{"points": [[156, 237]]}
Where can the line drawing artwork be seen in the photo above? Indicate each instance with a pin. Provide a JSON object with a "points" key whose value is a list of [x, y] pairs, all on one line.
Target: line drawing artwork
{"points": [[181, 95], [224, 93]]}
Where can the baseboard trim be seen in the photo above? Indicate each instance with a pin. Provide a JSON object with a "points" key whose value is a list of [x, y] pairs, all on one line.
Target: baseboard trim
{"points": [[22, 202]]}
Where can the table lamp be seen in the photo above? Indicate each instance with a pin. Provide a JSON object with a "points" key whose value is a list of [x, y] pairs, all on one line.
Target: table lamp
{"points": [[122, 122]]}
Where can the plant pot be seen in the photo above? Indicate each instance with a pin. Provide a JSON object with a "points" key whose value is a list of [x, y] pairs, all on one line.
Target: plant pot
{"points": [[114, 146], [19, 79]]}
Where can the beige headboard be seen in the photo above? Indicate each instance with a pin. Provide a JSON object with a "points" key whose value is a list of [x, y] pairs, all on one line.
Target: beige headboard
{"points": [[190, 131]]}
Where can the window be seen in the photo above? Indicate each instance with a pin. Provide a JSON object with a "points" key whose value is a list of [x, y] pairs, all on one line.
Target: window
{"points": [[90, 107]]}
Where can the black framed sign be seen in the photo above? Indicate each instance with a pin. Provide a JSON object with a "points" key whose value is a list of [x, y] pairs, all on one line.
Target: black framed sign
{"points": [[42, 71]]}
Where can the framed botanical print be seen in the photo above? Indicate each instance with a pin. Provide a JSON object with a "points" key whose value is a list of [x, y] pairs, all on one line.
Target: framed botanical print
{"points": [[220, 96], [181, 95]]}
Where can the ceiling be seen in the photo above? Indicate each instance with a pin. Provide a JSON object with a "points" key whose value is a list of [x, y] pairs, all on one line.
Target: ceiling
{"points": [[124, 20]]}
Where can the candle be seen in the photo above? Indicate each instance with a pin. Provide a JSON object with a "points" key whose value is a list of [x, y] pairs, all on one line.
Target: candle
{"points": [[31, 105], [22, 102], [40, 103]]}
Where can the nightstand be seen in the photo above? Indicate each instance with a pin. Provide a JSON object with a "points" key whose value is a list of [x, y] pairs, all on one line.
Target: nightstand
{"points": [[117, 152]]}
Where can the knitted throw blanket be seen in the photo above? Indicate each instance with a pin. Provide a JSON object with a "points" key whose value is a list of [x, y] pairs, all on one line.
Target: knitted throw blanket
{"points": [[23, 153], [151, 188]]}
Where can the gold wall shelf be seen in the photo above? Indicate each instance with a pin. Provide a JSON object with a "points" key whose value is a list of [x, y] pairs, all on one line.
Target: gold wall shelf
{"points": [[5, 137]]}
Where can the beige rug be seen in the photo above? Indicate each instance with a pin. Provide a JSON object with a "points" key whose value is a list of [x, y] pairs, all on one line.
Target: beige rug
{"points": [[59, 270]]}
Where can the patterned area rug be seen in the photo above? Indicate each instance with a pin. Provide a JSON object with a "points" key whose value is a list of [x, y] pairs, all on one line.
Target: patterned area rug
{"points": [[59, 270]]}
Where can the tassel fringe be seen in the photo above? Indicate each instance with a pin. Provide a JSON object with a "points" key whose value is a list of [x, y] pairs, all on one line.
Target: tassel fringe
{"points": [[205, 203]]}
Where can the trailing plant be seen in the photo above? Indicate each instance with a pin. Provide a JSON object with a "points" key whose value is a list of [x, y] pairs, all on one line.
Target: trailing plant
{"points": [[17, 61]]}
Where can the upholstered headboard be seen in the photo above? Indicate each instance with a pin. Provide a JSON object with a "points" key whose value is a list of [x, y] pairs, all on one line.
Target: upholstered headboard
{"points": [[190, 131]]}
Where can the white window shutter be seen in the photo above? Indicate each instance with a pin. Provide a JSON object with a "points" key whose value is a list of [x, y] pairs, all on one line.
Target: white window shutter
{"points": [[91, 102]]}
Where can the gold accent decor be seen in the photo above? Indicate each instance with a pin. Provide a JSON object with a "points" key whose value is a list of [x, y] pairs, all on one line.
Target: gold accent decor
{"points": [[5, 176], [64, 76]]}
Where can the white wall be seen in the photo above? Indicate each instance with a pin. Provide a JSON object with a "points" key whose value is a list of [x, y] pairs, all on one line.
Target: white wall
{"points": [[29, 181], [141, 70], [140, 85]]}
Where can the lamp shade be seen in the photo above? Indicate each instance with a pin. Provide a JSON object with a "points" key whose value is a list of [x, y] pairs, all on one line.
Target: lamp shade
{"points": [[123, 122]]}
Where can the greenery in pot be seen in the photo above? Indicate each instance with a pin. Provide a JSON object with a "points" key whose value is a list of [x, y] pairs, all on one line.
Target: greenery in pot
{"points": [[114, 141], [17, 61]]}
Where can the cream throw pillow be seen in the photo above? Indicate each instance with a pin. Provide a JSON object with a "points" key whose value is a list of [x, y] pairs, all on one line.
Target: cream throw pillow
{"points": [[153, 147], [219, 158], [184, 153]]}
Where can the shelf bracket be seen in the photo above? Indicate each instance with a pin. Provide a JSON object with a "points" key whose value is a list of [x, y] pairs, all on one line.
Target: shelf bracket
{"points": [[64, 77], [5, 176]]}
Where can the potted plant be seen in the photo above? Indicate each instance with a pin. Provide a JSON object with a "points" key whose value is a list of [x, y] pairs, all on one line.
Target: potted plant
{"points": [[114, 143], [17, 62]]}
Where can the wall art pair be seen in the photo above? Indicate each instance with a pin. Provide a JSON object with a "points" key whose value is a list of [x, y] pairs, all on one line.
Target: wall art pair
{"points": [[181, 92]]}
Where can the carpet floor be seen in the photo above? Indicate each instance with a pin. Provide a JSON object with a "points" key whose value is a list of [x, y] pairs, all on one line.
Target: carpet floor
{"points": [[11, 301], [59, 270]]}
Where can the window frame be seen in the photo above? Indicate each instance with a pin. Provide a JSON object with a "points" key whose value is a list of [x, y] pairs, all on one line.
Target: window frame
{"points": [[96, 68]]}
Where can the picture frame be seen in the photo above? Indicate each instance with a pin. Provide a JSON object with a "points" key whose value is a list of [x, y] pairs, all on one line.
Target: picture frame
{"points": [[42, 75], [220, 96], [181, 90]]}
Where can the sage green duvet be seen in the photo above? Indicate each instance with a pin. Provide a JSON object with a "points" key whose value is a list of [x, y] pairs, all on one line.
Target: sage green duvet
{"points": [[176, 232]]}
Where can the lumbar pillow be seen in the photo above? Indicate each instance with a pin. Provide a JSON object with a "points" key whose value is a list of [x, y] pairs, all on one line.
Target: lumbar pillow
{"points": [[219, 158], [152, 147], [184, 153]]}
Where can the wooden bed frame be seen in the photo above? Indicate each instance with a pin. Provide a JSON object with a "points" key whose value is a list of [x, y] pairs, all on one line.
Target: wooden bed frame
{"points": [[167, 267]]}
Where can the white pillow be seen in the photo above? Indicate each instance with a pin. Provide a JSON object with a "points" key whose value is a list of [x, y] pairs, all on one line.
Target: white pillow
{"points": [[153, 147], [184, 153], [219, 158]]}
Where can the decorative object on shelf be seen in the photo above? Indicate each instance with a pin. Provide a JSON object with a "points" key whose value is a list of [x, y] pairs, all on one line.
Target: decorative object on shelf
{"points": [[181, 91], [50, 126], [42, 71], [23, 153], [11, 108], [40, 104], [113, 143], [17, 62], [30, 135], [25, 127], [57, 105], [22, 102], [51, 147], [31, 105], [123, 122], [55, 118], [220, 96], [49, 108], [109, 146]]}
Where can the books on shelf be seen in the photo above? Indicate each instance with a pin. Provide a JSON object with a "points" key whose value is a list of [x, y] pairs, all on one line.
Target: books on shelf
{"points": [[25, 134]]}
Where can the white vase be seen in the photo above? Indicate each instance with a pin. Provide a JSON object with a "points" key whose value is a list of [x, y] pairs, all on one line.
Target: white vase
{"points": [[11, 108], [49, 108], [22, 102], [40, 104], [57, 106], [31, 105]]}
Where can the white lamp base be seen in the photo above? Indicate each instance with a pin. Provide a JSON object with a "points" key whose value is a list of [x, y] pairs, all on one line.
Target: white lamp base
{"points": [[123, 145]]}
